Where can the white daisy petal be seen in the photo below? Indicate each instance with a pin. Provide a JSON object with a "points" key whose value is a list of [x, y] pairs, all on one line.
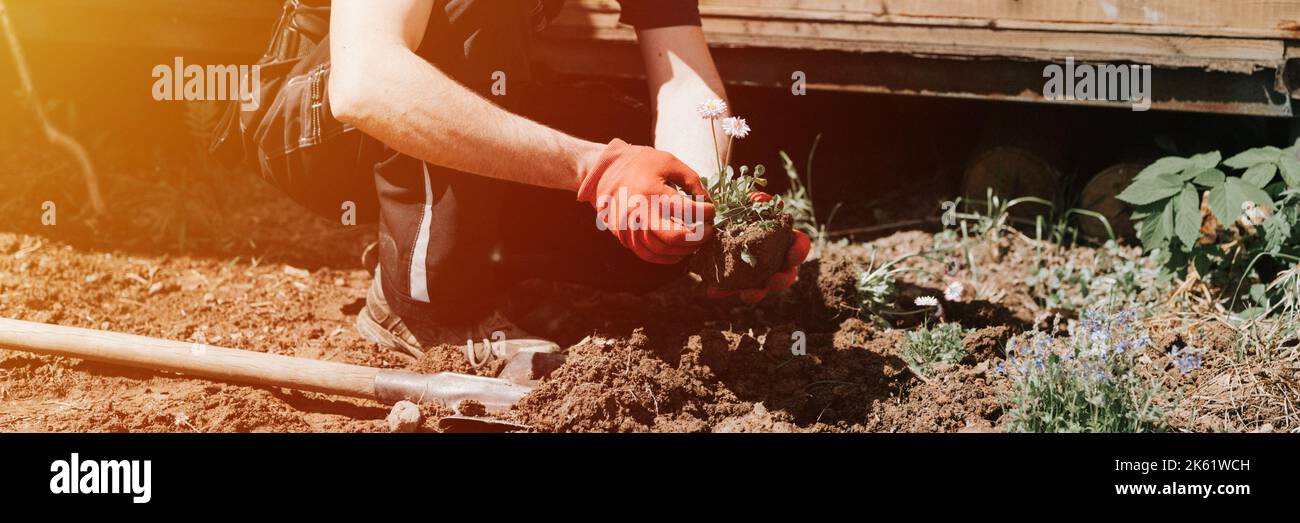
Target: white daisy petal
{"points": [[712, 109], [735, 127], [926, 301]]}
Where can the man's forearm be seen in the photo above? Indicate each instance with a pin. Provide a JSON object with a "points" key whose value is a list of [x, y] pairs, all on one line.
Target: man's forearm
{"points": [[682, 75], [414, 108]]}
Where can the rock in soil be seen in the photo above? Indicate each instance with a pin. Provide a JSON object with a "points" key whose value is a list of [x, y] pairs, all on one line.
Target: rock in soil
{"points": [[745, 256], [405, 417]]}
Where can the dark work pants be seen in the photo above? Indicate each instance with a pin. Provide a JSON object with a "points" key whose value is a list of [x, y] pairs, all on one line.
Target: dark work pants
{"points": [[452, 243]]}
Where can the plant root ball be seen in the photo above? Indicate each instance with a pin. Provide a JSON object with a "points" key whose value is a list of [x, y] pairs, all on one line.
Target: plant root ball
{"points": [[744, 256], [405, 417]]}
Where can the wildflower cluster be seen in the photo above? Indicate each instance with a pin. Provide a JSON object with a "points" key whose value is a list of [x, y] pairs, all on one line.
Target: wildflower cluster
{"points": [[1087, 382], [927, 347], [877, 286], [1115, 275], [736, 195]]}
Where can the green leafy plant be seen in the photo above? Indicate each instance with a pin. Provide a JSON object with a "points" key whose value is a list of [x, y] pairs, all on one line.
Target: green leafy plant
{"points": [[877, 286], [798, 198], [1113, 275], [1062, 287], [990, 217], [927, 347], [1219, 229], [1088, 382], [731, 194]]}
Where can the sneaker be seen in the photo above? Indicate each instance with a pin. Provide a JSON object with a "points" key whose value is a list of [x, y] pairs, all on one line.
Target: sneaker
{"points": [[494, 337]]}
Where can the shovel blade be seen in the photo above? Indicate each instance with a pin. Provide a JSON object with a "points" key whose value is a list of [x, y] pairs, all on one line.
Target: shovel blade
{"points": [[448, 389]]}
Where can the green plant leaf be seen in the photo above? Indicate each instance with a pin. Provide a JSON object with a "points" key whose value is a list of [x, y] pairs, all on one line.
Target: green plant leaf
{"points": [[1290, 167], [1259, 294], [1277, 231], [1205, 161], [747, 257], [1222, 205], [788, 164], [1167, 219], [1151, 189], [1260, 174], [1225, 200], [1187, 217], [1209, 178], [1153, 230], [1254, 157], [1166, 165], [1257, 195]]}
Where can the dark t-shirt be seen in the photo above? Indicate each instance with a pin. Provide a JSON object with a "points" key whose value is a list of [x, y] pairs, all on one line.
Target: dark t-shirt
{"points": [[647, 14]]}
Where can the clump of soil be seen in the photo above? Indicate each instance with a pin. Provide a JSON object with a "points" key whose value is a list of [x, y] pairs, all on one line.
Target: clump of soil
{"points": [[471, 408], [744, 256], [831, 287], [616, 386], [725, 381], [451, 358]]}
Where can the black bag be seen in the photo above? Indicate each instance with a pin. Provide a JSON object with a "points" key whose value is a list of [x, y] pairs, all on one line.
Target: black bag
{"points": [[292, 135]]}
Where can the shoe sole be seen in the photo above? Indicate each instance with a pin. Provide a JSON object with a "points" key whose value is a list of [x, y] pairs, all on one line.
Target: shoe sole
{"points": [[372, 331]]}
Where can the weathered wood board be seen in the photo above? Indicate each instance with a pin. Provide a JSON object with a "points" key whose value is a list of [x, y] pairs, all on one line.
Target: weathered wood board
{"points": [[1239, 48]]}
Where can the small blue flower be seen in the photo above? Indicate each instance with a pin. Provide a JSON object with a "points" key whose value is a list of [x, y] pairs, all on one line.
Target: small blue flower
{"points": [[1124, 317], [1185, 358], [1122, 346], [1099, 335]]}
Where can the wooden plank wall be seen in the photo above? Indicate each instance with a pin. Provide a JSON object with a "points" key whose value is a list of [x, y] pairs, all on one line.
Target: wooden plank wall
{"points": [[1247, 18], [1028, 29]]}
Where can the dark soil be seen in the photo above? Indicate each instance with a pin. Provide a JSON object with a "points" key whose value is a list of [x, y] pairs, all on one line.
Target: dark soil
{"points": [[744, 256]]}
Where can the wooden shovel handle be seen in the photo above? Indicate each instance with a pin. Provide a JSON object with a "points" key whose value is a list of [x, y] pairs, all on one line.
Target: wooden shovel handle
{"points": [[195, 359]]}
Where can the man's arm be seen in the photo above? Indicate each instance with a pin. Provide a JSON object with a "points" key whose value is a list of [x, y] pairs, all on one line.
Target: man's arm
{"points": [[682, 75], [378, 84]]}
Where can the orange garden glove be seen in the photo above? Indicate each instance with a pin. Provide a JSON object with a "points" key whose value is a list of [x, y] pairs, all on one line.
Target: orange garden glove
{"points": [[631, 187], [779, 281]]}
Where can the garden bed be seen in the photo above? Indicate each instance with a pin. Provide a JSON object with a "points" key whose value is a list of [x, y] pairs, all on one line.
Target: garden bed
{"points": [[665, 362], [242, 267]]}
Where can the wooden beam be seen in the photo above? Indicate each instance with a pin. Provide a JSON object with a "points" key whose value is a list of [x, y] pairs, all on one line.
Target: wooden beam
{"points": [[1236, 18], [593, 19]]}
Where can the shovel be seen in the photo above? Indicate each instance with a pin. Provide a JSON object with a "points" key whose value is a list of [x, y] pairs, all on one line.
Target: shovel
{"points": [[447, 389]]}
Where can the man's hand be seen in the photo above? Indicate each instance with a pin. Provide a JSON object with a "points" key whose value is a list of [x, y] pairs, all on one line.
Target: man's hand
{"points": [[638, 196], [779, 281]]}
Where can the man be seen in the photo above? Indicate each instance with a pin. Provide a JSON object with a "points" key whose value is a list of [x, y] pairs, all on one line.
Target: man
{"points": [[475, 198]]}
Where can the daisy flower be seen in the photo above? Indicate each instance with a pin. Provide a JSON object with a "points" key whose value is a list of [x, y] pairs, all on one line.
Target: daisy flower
{"points": [[954, 291], [735, 127], [926, 301], [712, 109]]}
